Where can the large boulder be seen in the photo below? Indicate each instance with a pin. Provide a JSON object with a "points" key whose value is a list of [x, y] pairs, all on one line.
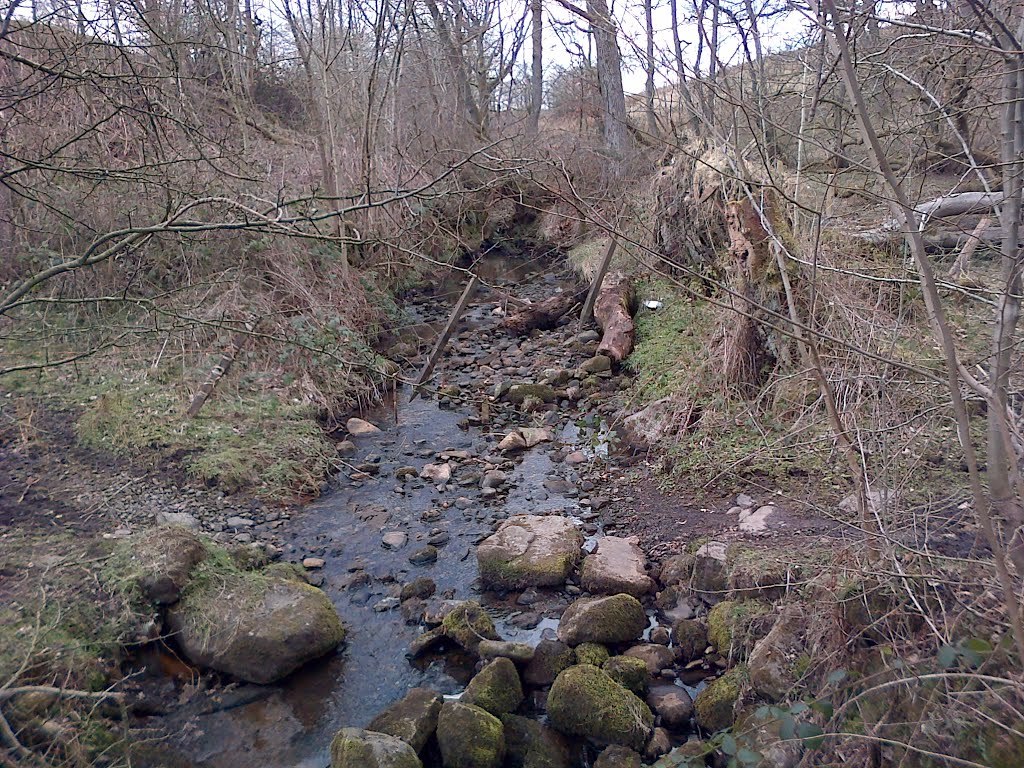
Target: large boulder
{"points": [[469, 737], [530, 551], [161, 561], [715, 706], [776, 659], [467, 624], [550, 657], [529, 744], [413, 719], [614, 619], [356, 748], [584, 701], [617, 565], [254, 627], [656, 657], [495, 688], [629, 672]]}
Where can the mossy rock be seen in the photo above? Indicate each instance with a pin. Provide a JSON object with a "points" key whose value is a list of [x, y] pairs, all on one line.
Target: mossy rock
{"points": [[545, 393], [356, 748], [594, 654], [617, 756], [550, 657], [734, 627], [691, 639], [629, 672], [413, 719], [754, 573], [529, 744], [467, 624], [160, 561], [677, 569], [530, 551], [287, 571], [496, 688], [715, 706], [615, 619], [254, 627], [585, 701], [469, 737], [774, 659]]}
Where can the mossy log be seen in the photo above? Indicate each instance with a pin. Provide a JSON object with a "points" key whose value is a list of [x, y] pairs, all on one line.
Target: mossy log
{"points": [[613, 311]]}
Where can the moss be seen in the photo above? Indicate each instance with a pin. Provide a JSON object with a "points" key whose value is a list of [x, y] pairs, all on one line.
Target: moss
{"points": [[585, 701], [691, 638], [734, 627], [594, 654], [715, 705], [355, 748], [467, 624], [496, 688], [469, 736], [614, 619], [629, 672], [519, 573], [518, 393]]}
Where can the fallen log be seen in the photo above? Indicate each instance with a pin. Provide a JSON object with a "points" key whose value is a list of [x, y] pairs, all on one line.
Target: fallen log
{"points": [[946, 206], [544, 315], [943, 240], [613, 311]]}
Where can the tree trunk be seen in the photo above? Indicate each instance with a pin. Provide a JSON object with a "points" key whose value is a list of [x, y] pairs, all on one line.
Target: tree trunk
{"points": [[609, 76], [544, 315], [652, 118], [613, 312], [537, 74]]}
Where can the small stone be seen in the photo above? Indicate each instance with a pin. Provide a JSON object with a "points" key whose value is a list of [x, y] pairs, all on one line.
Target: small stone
{"points": [[493, 479], [182, 519], [394, 540], [239, 522], [424, 556], [387, 604], [421, 588], [660, 636], [346, 449], [576, 457], [437, 473], [359, 427], [311, 563]]}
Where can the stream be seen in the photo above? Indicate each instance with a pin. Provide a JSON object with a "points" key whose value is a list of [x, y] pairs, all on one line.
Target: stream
{"points": [[292, 724]]}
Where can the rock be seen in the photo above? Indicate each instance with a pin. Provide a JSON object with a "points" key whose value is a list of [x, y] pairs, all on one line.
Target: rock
{"points": [[347, 449], [629, 672], [654, 657], [517, 393], [394, 540], [387, 604], [677, 569], [535, 435], [161, 561], [493, 478], [756, 521], [360, 427], [588, 337], [617, 565], [529, 744], [239, 522], [518, 652], [529, 551], [709, 578], [672, 704], [513, 441], [774, 661], [594, 654], [617, 756], [255, 628], [421, 588], [467, 624], [403, 472], [761, 735], [495, 688], [180, 519], [692, 753], [715, 705], [615, 619], [661, 636], [424, 555], [313, 563], [413, 719], [585, 701], [659, 744], [437, 473], [576, 457], [469, 737], [356, 748], [550, 657], [596, 364], [425, 642], [677, 603], [690, 638], [734, 627]]}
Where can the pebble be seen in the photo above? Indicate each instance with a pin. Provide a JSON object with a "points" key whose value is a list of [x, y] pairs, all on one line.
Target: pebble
{"points": [[424, 556], [311, 563], [394, 540], [387, 604], [239, 522]]}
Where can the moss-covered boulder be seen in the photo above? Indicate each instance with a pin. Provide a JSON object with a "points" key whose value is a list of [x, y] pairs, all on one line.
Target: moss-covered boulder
{"points": [[517, 393], [160, 561], [677, 570], [617, 756], [690, 638], [585, 701], [356, 748], [614, 619], [776, 660], [715, 706], [734, 627], [656, 657], [550, 657], [469, 737], [495, 688], [529, 744], [754, 572], [254, 627], [629, 672], [521, 653], [530, 551], [594, 654], [413, 719], [467, 624]]}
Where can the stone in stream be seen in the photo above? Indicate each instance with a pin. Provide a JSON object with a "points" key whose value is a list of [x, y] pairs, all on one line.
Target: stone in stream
{"points": [[524, 437], [529, 551], [356, 748], [413, 719], [403, 472], [424, 555], [437, 473], [529, 744], [614, 619], [468, 624], [709, 578], [550, 658], [585, 701], [672, 704], [496, 688], [596, 364], [773, 661], [493, 479], [659, 744], [518, 393], [629, 672], [346, 449], [360, 427], [656, 657], [617, 756], [617, 565], [469, 737], [394, 540], [677, 570], [715, 706], [161, 561], [691, 639], [255, 628], [518, 652]]}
